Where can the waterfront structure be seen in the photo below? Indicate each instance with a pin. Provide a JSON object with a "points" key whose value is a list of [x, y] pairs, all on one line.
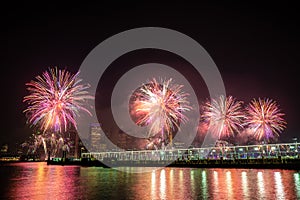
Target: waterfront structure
{"points": [[265, 151]]}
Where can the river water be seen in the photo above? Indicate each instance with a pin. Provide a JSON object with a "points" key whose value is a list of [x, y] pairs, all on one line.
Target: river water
{"points": [[40, 181]]}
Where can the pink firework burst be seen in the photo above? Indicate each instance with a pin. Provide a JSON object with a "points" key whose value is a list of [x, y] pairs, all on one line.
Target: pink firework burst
{"points": [[55, 98], [161, 106], [224, 115], [265, 119]]}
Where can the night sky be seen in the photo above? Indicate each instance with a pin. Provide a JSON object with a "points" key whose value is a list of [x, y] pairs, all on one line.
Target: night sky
{"points": [[256, 48]]}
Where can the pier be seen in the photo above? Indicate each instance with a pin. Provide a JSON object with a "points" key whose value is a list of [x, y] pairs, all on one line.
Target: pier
{"points": [[285, 155]]}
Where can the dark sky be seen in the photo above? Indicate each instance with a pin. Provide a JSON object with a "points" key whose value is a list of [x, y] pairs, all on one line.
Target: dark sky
{"points": [[256, 47]]}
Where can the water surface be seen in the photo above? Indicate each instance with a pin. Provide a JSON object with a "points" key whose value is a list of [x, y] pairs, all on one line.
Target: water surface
{"points": [[39, 181]]}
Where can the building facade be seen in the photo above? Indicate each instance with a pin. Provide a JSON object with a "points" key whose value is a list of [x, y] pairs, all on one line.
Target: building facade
{"points": [[97, 141]]}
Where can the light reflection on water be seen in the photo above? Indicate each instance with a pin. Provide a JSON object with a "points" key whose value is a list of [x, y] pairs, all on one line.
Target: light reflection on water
{"points": [[216, 183], [260, 185], [245, 185], [162, 193], [229, 185], [278, 185], [297, 183], [39, 181]]}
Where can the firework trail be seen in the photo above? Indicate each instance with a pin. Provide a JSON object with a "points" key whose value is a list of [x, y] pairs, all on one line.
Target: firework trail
{"points": [[224, 115], [161, 106], [55, 99], [264, 118], [49, 142], [34, 142]]}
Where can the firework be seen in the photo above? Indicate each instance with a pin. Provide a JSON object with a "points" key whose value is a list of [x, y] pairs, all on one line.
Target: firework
{"points": [[55, 99], [264, 119], [53, 143], [160, 106], [224, 115]]}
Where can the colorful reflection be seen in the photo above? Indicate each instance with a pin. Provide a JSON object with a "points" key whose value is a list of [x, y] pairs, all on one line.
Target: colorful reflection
{"points": [[245, 184], [39, 181], [162, 185], [260, 185], [216, 183], [204, 184], [153, 184], [229, 184], [278, 185], [297, 183]]}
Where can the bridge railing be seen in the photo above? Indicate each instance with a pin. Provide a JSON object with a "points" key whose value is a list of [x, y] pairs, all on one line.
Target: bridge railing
{"points": [[283, 150]]}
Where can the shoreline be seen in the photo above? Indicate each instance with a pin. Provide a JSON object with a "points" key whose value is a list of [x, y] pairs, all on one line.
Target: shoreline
{"points": [[289, 164], [293, 164]]}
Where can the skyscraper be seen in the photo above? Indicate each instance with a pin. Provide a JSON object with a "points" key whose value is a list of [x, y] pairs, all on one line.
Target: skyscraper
{"points": [[97, 140]]}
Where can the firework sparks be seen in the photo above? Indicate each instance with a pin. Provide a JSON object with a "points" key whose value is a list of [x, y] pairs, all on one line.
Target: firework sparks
{"points": [[224, 115], [54, 143], [55, 99], [161, 106], [265, 118]]}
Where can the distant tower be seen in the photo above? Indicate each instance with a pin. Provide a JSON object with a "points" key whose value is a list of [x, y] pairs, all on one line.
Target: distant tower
{"points": [[97, 140], [72, 134]]}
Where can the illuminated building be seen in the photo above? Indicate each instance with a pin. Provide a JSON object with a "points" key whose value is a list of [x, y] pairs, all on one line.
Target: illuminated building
{"points": [[97, 140]]}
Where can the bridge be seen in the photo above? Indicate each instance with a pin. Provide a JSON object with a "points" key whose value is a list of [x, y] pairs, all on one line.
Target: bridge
{"points": [[253, 152]]}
